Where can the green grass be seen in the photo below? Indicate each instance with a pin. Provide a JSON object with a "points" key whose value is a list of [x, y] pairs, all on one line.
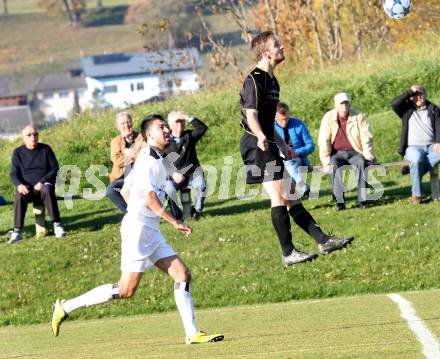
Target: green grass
{"points": [[25, 55], [234, 254], [233, 247], [366, 327]]}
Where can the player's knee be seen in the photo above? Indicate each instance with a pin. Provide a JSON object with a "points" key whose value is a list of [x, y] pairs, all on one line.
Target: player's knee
{"points": [[184, 275]]}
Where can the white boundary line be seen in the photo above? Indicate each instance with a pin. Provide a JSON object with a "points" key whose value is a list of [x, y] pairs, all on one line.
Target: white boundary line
{"points": [[430, 344]]}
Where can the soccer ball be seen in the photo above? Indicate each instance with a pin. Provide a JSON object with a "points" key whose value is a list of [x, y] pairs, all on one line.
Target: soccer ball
{"points": [[397, 9]]}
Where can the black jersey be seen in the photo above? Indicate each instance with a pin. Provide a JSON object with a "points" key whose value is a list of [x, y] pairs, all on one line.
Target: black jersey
{"points": [[261, 92]]}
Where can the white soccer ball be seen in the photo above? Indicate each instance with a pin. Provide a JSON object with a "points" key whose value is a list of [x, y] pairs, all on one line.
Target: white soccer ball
{"points": [[397, 9]]}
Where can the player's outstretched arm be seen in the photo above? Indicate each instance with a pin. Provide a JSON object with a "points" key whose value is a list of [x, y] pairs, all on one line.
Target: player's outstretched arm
{"points": [[153, 202]]}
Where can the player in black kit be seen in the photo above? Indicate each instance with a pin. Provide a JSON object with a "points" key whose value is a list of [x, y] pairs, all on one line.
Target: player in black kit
{"points": [[260, 149]]}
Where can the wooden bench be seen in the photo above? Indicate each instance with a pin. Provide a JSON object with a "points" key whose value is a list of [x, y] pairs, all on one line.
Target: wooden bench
{"points": [[40, 223]]}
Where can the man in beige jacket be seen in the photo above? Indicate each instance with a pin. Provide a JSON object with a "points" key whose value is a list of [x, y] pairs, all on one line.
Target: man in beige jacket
{"points": [[123, 151], [345, 139]]}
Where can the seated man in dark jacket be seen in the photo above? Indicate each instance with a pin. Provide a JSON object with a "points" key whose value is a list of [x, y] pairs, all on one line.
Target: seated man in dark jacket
{"points": [[188, 170], [34, 171], [420, 136]]}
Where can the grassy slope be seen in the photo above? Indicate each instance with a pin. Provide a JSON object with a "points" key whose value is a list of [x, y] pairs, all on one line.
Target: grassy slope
{"points": [[355, 327], [37, 44], [234, 245]]}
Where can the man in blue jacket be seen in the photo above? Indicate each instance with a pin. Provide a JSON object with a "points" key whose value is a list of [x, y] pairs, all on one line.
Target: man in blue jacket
{"points": [[296, 135]]}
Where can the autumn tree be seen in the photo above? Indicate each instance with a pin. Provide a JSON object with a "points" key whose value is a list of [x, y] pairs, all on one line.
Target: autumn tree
{"points": [[165, 23]]}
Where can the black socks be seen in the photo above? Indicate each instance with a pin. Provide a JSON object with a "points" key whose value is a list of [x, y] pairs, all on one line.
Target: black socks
{"points": [[305, 220], [281, 223]]}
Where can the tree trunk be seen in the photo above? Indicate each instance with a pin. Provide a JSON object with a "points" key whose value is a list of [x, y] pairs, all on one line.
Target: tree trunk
{"points": [[271, 18], [5, 7], [69, 13]]}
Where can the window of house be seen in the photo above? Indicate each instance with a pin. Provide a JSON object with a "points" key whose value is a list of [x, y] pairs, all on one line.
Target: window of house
{"points": [[48, 95], [63, 94], [132, 87], [140, 85], [110, 89]]}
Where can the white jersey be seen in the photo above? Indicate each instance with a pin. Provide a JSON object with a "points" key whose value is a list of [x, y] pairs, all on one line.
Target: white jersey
{"points": [[148, 175]]}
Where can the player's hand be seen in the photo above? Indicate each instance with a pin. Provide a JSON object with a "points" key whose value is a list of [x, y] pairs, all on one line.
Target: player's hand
{"points": [[437, 147], [22, 189], [183, 227], [38, 186], [178, 177], [262, 143]]}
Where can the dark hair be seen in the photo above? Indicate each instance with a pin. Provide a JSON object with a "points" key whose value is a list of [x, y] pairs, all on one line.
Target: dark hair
{"points": [[282, 107], [147, 122], [258, 44]]}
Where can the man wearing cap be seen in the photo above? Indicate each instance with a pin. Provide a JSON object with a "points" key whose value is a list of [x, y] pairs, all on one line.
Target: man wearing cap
{"points": [[188, 171], [420, 136], [345, 139]]}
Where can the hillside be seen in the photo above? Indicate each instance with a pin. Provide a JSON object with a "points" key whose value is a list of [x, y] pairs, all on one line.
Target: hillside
{"points": [[233, 253]]}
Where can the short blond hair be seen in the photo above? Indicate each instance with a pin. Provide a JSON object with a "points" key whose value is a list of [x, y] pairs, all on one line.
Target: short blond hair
{"points": [[259, 43]]}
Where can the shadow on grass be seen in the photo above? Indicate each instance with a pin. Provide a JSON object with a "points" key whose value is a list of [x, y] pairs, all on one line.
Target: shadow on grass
{"points": [[244, 206], [90, 221], [114, 15]]}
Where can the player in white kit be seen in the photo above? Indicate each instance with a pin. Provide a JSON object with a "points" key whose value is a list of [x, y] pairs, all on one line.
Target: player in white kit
{"points": [[143, 245]]}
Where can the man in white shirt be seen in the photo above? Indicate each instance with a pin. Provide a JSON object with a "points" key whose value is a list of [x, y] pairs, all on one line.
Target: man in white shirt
{"points": [[143, 245]]}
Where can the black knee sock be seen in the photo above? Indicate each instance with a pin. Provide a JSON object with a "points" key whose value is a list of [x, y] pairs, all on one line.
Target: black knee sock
{"points": [[281, 223], [305, 220]]}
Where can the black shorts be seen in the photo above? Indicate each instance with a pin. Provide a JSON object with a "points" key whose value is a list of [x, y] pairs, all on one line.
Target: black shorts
{"points": [[264, 166]]}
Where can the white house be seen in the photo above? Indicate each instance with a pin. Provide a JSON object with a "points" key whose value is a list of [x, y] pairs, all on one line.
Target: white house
{"points": [[120, 80], [55, 95]]}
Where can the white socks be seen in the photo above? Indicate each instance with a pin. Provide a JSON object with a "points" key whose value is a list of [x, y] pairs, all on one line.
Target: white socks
{"points": [[98, 295], [184, 304]]}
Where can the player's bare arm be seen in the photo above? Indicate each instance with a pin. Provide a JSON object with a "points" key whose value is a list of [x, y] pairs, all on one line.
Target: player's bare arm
{"points": [[254, 125], [153, 203]]}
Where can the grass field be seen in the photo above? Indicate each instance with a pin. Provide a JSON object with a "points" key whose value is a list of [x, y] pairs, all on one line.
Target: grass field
{"points": [[234, 254], [350, 327]]}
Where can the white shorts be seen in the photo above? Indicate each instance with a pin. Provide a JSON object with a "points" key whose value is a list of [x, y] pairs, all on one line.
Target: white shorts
{"points": [[141, 246]]}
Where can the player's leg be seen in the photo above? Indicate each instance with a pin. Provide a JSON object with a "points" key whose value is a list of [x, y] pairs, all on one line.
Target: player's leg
{"points": [[98, 295], [281, 224], [307, 223], [181, 275]]}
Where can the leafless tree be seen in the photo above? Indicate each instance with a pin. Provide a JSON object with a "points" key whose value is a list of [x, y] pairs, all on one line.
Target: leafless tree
{"points": [[5, 8]]}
